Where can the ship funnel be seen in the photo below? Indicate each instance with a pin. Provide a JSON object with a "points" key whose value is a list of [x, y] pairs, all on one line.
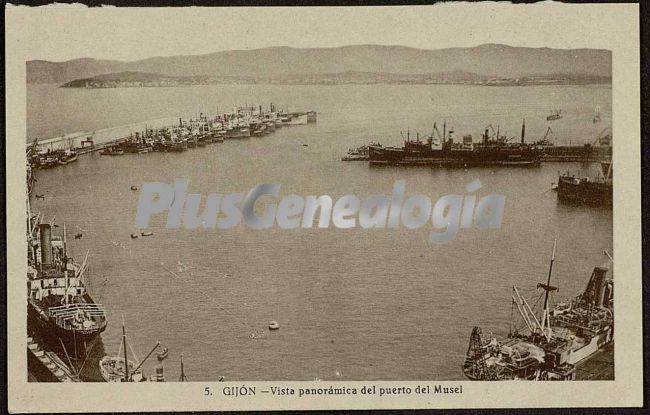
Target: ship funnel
{"points": [[523, 131], [46, 243]]}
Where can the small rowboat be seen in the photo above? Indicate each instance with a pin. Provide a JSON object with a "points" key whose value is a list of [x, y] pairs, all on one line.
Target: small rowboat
{"points": [[274, 325]]}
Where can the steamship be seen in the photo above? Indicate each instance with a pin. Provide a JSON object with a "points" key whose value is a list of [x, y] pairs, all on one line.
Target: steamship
{"points": [[551, 344], [587, 191], [59, 304], [494, 149]]}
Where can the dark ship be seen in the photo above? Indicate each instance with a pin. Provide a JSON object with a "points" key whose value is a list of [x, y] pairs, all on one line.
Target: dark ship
{"points": [[493, 150], [59, 305], [550, 344], [587, 191]]}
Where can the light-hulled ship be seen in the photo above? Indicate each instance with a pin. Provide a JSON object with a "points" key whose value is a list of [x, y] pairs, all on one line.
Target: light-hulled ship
{"points": [[551, 344], [120, 368]]}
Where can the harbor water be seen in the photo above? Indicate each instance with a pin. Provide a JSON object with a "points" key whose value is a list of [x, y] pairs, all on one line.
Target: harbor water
{"points": [[351, 304]]}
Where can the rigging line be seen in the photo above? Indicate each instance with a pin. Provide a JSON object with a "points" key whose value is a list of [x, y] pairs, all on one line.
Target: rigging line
{"points": [[86, 358]]}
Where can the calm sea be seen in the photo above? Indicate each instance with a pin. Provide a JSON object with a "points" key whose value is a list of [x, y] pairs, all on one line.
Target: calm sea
{"points": [[352, 304]]}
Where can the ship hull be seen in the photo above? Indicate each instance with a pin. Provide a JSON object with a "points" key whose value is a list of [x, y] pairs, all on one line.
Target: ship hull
{"points": [[453, 158], [52, 332], [584, 192]]}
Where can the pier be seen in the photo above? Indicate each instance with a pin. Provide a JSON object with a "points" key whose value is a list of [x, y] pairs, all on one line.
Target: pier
{"points": [[46, 366]]}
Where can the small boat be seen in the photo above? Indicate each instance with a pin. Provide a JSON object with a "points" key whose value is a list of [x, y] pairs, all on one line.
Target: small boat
{"points": [[121, 368], [555, 115], [163, 354], [67, 158], [597, 116], [78, 236], [134, 236], [146, 233], [273, 325], [134, 187], [113, 369]]}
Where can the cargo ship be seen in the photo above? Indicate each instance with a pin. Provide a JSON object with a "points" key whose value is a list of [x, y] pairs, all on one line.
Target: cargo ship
{"points": [[493, 150], [587, 191], [551, 344], [59, 304]]}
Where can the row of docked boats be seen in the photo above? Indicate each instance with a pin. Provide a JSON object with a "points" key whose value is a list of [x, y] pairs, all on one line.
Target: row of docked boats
{"points": [[241, 122], [203, 130]]}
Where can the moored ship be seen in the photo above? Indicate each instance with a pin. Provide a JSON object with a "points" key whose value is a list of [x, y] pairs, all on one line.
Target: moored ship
{"points": [[58, 301], [587, 191], [493, 150], [548, 346]]}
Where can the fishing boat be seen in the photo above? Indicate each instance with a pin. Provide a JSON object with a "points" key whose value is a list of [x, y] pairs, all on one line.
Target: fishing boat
{"points": [[596, 191], [120, 368], [555, 115], [299, 119], [360, 153], [551, 344], [68, 156], [112, 151], [59, 303]]}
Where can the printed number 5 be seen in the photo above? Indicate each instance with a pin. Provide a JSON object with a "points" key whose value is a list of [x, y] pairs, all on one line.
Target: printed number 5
{"points": [[206, 391]]}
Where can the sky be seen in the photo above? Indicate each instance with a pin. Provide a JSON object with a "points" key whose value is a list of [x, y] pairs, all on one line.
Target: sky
{"points": [[74, 31]]}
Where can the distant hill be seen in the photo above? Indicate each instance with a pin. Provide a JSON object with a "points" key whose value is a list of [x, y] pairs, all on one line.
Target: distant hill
{"points": [[490, 60], [147, 79]]}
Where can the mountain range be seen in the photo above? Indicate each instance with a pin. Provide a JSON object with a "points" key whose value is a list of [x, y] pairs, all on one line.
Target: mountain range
{"points": [[489, 60]]}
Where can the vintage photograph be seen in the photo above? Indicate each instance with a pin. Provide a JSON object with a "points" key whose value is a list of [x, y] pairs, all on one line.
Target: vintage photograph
{"points": [[319, 195], [530, 298]]}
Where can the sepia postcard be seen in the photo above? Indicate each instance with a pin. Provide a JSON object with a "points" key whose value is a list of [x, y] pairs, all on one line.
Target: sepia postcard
{"points": [[269, 208]]}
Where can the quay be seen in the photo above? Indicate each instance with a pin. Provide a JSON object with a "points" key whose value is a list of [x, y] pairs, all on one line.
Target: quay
{"points": [[88, 141], [46, 366]]}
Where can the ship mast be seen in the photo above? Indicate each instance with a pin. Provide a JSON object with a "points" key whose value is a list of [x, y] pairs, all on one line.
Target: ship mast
{"points": [[126, 361], [546, 324], [65, 264], [182, 378]]}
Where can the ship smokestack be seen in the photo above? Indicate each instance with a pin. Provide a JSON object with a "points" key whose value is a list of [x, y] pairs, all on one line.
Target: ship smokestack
{"points": [[485, 136], [523, 131], [46, 244]]}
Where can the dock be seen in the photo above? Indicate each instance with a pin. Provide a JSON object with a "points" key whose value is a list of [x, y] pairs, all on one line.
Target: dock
{"points": [[46, 366]]}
